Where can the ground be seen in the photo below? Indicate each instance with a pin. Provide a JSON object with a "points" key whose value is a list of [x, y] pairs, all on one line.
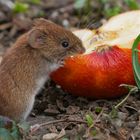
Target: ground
{"points": [[72, 118]]}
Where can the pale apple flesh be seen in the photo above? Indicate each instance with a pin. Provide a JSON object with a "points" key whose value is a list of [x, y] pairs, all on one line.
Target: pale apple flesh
{"points": [[107, 62]]}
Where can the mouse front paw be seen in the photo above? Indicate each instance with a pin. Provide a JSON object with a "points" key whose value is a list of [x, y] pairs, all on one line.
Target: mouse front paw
{"points": [[61, 63]]}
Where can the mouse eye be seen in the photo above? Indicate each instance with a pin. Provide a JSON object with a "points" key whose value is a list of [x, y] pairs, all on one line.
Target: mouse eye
{"points": [[65, 44]]}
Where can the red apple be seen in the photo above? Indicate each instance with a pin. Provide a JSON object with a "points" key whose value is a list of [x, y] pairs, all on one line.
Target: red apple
{"points": [[107, 62]]}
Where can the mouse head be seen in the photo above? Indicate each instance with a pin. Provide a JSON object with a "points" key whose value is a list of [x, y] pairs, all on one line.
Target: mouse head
{"points": [[54, 42]]}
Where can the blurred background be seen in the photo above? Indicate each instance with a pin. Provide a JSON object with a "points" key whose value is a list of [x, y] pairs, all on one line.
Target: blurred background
{"points": [[16, 15]]}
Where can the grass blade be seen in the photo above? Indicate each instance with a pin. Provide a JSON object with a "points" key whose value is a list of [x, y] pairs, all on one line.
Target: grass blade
{"points": [[135, 61]]}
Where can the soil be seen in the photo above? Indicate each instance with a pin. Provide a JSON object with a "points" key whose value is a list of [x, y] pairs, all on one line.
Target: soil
{"points": [[59, 114]]}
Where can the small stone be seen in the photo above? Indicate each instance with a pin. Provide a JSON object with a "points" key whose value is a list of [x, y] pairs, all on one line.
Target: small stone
{"points": [[51, 112], [50, 136], [65, 23], [54, 15]]}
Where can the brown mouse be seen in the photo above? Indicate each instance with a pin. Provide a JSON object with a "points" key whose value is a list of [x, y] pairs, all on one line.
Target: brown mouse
{"points": [[26, 66]]}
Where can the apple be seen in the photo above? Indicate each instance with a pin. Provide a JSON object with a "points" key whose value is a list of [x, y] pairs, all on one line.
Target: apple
{"points": [[107, 62]]}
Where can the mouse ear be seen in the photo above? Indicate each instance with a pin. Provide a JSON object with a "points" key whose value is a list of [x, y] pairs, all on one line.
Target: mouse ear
{"points": [[36, 38], [41, 21]]}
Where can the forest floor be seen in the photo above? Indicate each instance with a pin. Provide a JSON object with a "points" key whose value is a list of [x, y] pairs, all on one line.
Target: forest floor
{"points": [[60, 114]]}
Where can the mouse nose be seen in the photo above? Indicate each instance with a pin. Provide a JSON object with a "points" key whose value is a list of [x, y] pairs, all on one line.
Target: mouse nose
{"points": [[82, 50]]}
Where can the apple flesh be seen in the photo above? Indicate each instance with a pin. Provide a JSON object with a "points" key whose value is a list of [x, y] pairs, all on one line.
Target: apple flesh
{"points": [[107, 62]]}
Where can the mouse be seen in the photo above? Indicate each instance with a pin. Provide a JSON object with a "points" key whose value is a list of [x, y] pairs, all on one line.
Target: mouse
{"points": [[28, 63]]}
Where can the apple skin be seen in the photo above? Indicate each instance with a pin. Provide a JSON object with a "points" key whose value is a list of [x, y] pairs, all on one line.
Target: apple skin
{"points": [[97, 75]]}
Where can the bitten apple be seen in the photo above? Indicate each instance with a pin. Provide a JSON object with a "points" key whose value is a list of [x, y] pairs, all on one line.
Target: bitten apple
{"points": [[107, 62]]}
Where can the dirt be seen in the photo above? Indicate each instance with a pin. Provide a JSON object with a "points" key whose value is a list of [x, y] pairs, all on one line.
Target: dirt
{"points": [[59, 113]]}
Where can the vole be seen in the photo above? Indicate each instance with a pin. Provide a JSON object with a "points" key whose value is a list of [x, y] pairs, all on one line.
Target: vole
{"points": [[26, 66]]}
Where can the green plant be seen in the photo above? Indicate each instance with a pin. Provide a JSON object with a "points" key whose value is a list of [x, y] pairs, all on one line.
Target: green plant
{"points": [[83, 5], [20, 7], [89, 120], [104, 1], [135, 61], [109, 12], [111, 8], [114, 113], [98, 109], [132, 4], [10, 130], [79, 4], [34, 1], [94, 132]]}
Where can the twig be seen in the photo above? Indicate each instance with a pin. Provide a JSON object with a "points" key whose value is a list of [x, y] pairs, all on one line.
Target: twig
{"points": [[62, 120], [123, 101], [5, 26], [37, 126], [133, 90]]}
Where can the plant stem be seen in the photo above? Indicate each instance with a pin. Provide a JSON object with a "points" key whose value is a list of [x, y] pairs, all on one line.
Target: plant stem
{"points": [[133, 90]]}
